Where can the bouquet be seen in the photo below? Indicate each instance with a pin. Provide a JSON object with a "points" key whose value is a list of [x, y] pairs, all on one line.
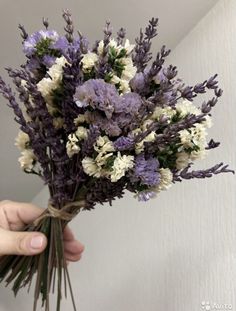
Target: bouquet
{"points": [[96, 120]]}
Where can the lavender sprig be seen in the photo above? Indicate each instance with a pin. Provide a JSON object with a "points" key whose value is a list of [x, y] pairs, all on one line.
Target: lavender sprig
{"points": [[216, 169], [142, 54], [69, 28], [24, 34], [121, 36]]}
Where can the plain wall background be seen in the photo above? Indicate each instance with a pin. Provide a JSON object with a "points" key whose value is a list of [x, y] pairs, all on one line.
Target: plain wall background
{"points": [[178, 250]]}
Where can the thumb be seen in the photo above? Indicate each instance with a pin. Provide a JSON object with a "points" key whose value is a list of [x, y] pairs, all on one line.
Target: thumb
{"points": [[21, 243]]}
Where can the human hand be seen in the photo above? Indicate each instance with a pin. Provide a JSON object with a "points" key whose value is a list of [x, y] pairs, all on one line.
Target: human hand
{"points": [[13, 217]]}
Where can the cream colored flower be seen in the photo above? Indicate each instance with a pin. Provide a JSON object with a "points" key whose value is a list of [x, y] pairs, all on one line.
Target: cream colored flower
{"points": [[198, 155], [91, 168], [130, 70], [47, 85], [58, 122], [208, 122], [167, 112], [101, 159], [80, 119], [146, 124], [166, 180], [103, 145], [182, 160], [120, 166], [27, 160], [81, 133], [22, 140], [129, 47], [139, 147], [89, 60], [72, 146], [100, 47], [124, 86], [187, 107]]}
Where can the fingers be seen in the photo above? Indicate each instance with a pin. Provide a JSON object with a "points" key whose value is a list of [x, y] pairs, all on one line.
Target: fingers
{"points": [[15, 215], [73, 248], [21, 243]]}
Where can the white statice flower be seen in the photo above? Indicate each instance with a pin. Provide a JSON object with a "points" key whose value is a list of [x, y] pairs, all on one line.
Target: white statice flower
{"points": [[129, 47], [167, 112], [166, 178], [103, 145], [208, 122], [124, 86], [89, 60], [113, 43], [91, 168], [47, 85], [58, 122], [22, 140], [72, 146], [27, 160], [195, 136], [80, 119], [198, 155], [139, 147], [52, 109], [146, 124], [130, 70], [81, 133], [187, 107], [120, 166], [186, 138], [182, 160], [101, 159]]}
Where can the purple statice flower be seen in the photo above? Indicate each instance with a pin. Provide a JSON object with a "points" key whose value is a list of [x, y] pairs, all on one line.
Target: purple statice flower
{"points": [[146, 171], [145, 196], [29, 45], [99, 95], [123, 143], [160, 77], [33, 65], [60, 44], [48, 60], [130, 104], [138, 82], [110, 126]]}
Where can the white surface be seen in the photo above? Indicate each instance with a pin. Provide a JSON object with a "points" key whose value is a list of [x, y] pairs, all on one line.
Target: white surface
{"points": [[89, 17], [178, 250]]}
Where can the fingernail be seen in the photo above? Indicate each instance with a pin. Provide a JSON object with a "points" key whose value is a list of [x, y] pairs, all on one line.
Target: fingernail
{"points": [[36, 242]]}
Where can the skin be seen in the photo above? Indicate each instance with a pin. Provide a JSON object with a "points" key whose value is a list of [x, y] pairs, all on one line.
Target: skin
{"points": [[13, 217]]}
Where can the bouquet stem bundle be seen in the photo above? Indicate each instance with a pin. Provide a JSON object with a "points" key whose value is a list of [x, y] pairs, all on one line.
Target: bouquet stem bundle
{"points": [[48, 265]]}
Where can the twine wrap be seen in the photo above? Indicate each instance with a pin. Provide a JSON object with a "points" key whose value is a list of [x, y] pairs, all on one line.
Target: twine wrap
{"points": [[66, 213]]}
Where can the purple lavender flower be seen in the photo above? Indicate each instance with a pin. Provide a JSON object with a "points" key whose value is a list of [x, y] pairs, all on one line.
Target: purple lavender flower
{"points": [[30, 44], [146, 171]]}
